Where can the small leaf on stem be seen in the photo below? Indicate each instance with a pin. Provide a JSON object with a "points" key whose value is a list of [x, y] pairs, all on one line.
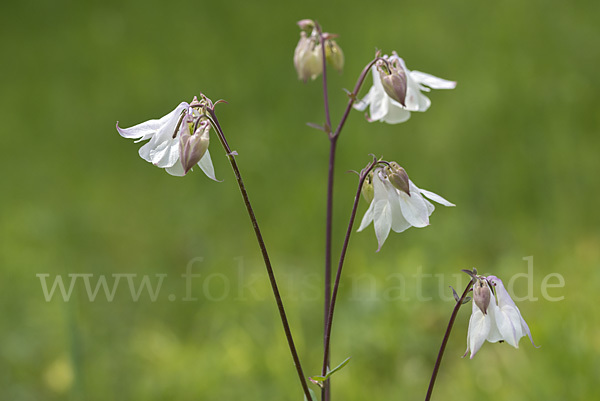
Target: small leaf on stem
{"points": [[319, 379], [313, 396]]}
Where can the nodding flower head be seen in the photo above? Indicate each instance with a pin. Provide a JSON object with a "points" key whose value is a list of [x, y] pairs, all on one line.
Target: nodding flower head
{"points": [[493, 318], [177, 141], [308, 56], [396, 203]]}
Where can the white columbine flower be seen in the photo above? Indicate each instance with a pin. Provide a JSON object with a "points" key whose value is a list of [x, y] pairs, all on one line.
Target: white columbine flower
{"points": [[397, 209], [165, 147], [501, 320], [384, 108]]}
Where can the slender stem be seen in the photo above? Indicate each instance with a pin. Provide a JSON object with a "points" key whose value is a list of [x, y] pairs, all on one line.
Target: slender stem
{"points": [[265, 255], [338, 275], [438, 361], [325, 95], [333, 137], [326, 391], [353, 96]]}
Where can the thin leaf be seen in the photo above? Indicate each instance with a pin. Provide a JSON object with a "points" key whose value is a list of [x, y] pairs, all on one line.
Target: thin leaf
{"points": [[456, 297], [338, 367], [313, 396]]}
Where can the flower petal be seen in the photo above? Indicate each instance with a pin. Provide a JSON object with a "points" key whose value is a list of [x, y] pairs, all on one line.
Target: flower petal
{"points": [[362, 104], [150, 128], [382, 221], [511, 312], [479, 328], [206, 165], [399, 223], [413, 207], [368, 217], [432, 81], [176, 169], [436, 197], [160, 151], [396, 114], [379, 106]]}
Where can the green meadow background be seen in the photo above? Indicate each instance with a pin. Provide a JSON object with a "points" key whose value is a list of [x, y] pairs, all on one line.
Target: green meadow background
{"points": [[515, 146]]}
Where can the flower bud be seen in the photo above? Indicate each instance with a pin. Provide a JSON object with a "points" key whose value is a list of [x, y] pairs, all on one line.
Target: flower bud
{"points": [[193, 147], [367, 190], [334, 55], [306, 24], [398, 177], [393, 79], [481, 295], [307, 57]]}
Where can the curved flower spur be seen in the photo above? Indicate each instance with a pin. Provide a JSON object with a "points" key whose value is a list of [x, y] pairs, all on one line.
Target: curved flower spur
{"points": [[178, 140]]}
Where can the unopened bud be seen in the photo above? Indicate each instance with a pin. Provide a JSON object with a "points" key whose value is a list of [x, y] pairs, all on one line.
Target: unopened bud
{"points": [[334, 55], [481, 295], [393, 79], [368, 192], [307, 57], [398, 177], [193, 147], [306, 24]]}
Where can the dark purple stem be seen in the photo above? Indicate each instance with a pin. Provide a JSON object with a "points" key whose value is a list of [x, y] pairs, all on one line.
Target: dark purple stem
{"points": [[333, 137], [353, 96], [326, 391], [265, 255], [338, 275], [438, 361]]}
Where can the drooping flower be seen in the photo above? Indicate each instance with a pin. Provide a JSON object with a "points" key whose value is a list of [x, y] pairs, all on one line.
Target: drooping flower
{"points": [[494, 320], [308, 56], [397, 203], [177, 141], [388, 109]]}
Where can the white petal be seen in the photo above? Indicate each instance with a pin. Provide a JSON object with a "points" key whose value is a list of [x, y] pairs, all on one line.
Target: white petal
{"points": [[432, 81], [399, 223], [379, 106], [368, 217], [511, 312], [396, 114], [479, 328], [206, 165], [415, 100], [163, 152], [494, 314], [176, 169], [436, 198], [149, 128], [430, 207], [362, 104], [382, 221], [413, 207]]}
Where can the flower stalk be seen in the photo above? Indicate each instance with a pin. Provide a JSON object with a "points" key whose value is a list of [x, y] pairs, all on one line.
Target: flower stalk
{"points": [[333, 137], [288, 333], [329, 318], [438, 361]]}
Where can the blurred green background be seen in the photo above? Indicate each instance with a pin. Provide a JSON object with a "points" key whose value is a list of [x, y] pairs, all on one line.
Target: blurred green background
{"points": [[515, 146]]}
